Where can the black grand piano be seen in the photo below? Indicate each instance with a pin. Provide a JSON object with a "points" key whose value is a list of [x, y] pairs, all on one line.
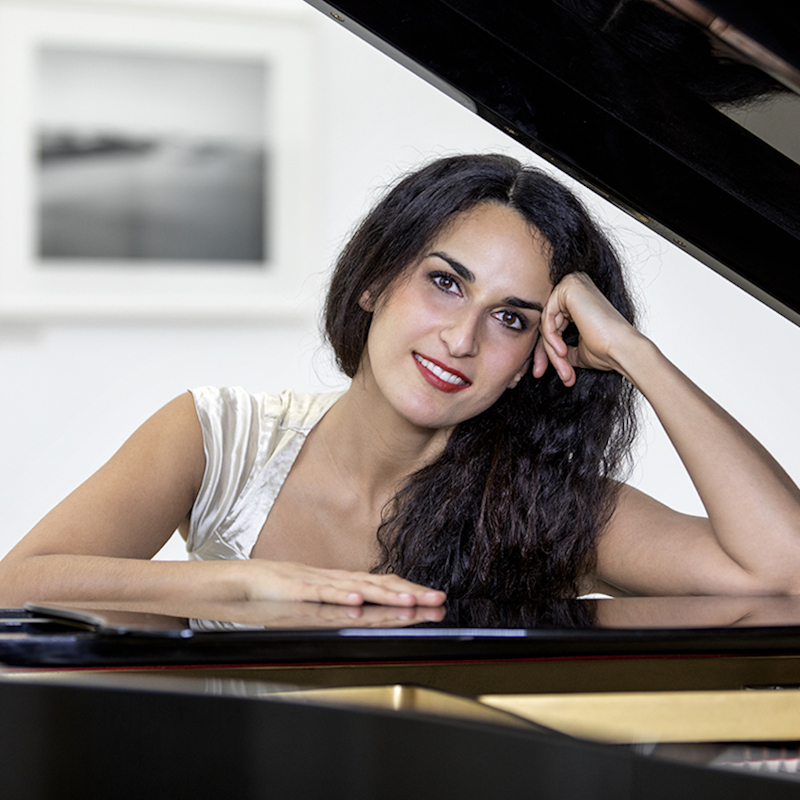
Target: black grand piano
{"points": [[686, 116]]}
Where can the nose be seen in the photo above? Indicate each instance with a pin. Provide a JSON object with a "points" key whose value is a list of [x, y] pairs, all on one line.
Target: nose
{"points": [[461, 335]]}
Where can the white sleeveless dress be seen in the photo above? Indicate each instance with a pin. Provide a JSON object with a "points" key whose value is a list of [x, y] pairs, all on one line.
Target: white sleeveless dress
{"points": [[250, 442]]}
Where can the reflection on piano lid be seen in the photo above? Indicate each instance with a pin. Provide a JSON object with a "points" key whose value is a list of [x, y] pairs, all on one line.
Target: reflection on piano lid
{"points": [[480, 618], [285, 633], [685, 115]]}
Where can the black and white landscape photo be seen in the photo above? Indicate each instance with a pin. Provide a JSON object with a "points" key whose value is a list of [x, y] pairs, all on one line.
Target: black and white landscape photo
{"points": [[145, 157]]}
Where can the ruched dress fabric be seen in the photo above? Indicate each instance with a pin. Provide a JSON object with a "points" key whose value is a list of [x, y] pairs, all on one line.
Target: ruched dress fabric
{"points": [[250, 443]]}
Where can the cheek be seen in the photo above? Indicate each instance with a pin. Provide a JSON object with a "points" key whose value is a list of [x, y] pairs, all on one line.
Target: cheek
{"points": [[409, 314], [510, 356], [395, 328]]}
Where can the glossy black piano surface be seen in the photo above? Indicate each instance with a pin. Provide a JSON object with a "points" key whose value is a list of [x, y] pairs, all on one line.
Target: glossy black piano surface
{"points": [[290, 633], [675, 124], [242, 718]]}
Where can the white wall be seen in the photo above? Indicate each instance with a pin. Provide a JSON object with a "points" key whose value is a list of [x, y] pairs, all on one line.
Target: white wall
{"points": [[71, 393]]}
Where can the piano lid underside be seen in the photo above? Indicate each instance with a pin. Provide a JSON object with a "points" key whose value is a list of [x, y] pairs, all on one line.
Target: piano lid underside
{"points": [[613, 120]]}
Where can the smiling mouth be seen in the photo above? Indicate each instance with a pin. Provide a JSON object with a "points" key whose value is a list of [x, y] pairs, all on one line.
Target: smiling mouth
{"points": [[440, 377]]}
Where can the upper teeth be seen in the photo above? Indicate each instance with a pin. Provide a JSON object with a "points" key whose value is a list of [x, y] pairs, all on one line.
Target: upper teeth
{"points": [[438, 371]]}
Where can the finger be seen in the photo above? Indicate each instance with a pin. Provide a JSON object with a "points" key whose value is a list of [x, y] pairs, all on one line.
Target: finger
{"points": [[366, 593], [325, 593], [378, 593], [355, 592], [299, 582], [560, 363], [554, 322], [552, 328], [540, 359], [403, 589]]}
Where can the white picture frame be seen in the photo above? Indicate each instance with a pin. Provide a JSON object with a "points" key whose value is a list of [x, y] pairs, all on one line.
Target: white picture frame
{"points": [[266, 287]]}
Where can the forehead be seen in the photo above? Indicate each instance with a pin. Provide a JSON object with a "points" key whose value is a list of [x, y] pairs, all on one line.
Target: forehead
{"points": [[495, 241]]}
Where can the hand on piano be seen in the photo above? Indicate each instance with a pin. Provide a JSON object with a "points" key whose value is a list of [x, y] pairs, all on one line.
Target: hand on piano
{"points": [[283, 580], [276, 614]]}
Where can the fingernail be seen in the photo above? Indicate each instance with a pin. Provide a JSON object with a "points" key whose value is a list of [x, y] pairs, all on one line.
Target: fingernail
{"points": [[404, 596]]}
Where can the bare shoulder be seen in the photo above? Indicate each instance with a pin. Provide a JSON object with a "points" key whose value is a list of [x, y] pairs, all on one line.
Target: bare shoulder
{"points": [[173, 432], [134, 502]]}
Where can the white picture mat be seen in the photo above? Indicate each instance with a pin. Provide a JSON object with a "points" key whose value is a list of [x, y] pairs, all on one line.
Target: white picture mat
{"points": [[29, 288]]}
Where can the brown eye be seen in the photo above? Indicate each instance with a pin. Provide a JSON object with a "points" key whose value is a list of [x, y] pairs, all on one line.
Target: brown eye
{"points": [[445, 282], [511, 320]]}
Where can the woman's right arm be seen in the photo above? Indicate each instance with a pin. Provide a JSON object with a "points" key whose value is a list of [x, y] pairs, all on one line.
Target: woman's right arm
{"points": [[97, 543]]}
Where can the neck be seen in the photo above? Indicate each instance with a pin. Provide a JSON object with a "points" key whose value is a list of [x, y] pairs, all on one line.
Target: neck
{"points": [[373, 446]]}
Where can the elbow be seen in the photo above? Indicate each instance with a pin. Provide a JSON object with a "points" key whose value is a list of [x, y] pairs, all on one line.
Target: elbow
{"points": [[776, 582]]}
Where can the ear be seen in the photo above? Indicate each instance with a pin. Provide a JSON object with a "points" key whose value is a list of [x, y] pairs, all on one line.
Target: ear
{"points": [[518, 377], [366, 301]]}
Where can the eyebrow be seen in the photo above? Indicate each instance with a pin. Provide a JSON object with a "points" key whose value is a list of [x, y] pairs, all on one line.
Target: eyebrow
{"points": [[517, 302], [457, 266], [469, 276]]}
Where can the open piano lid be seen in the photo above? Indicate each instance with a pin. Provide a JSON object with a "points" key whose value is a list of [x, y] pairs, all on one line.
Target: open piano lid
{"points": [[685, 116]]}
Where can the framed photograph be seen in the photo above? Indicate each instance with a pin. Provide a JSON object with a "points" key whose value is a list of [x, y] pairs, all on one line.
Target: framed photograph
{"points": [[155, 162]]}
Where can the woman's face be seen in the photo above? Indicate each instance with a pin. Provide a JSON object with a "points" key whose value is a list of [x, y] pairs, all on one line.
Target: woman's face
{"points": [[458, 328]]}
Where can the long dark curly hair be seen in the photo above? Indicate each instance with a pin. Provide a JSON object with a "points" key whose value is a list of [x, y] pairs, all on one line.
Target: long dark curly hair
{"points": [[513, 506]]}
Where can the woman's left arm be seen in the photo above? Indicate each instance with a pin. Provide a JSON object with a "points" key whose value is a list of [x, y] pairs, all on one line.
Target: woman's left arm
{"points": [[750, 542]]}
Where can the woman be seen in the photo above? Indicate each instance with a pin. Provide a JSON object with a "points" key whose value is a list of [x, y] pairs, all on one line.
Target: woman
{"points": [[485, 325]]}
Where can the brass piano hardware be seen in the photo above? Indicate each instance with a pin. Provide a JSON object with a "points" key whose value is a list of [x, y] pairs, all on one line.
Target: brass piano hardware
{"points": [[337, 17], [632, 717], [405, 699]]}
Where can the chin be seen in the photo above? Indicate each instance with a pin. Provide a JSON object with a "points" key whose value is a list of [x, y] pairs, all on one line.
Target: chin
{"points": [[436, 415], [423, 413]]}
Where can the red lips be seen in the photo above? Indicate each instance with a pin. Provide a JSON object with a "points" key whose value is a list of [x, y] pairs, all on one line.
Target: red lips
{"points": [[438, 382]]}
